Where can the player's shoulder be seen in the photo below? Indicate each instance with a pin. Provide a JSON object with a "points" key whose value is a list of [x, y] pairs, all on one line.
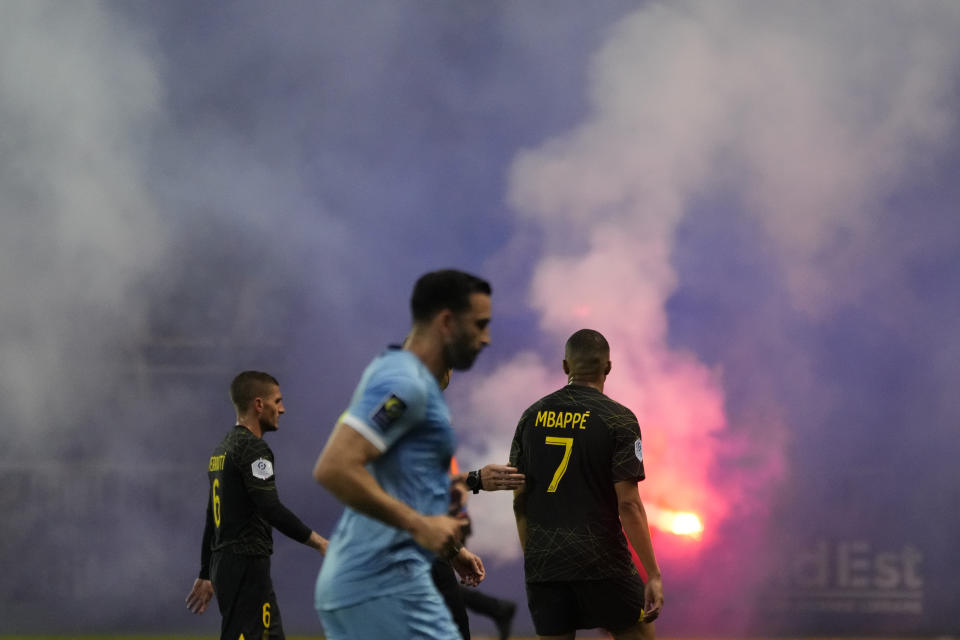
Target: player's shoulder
{"points": [[235, 438], [545, 402], [616, 415], [613, 405], [566, 396], [391, 363], [248, 447], [399, 372]]}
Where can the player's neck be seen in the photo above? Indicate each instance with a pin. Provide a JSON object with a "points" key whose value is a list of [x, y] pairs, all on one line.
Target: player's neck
{"points": [[250, 424], [587, 382], [426, 346]]}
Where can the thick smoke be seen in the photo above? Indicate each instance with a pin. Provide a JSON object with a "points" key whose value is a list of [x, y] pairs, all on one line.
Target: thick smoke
{"points": [[802, 118], [79, 93], [142, 266], [191, 190], [748, 198]]}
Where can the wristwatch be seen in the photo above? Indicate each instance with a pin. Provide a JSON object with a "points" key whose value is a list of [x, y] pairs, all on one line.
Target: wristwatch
{"points": [[474, 483]]}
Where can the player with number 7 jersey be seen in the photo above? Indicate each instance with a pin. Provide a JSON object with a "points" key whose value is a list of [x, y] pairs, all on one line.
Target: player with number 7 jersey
{"points": [[582, 456], [573, 445]]}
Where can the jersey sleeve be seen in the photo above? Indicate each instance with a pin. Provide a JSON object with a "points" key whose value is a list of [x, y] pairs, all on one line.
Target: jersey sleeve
{"points": [[255, 462], [205, 546], [627, 459], [259, 479], [516, 447], [387, 407]]}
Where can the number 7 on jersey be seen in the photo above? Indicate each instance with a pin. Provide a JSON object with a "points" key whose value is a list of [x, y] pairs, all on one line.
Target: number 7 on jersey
{"points": [[567, 443]]}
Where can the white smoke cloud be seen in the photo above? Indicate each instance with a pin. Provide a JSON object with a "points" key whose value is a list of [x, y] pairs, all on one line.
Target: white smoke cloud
{"points": [[79, 91], [807, 114]]}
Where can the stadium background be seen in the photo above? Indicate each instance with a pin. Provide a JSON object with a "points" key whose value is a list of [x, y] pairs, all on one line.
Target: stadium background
{"points": [[755, 201]]}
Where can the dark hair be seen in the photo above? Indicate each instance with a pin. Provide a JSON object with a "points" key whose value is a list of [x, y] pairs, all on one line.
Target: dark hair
{"points": [[444, 289], [249, 385], [587, 353]]}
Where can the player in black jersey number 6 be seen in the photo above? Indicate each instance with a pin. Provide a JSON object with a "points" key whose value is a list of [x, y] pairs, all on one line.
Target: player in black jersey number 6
{"points": [[243, 508]]}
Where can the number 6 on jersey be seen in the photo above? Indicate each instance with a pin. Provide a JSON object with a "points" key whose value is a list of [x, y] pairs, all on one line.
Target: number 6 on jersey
{"points": [[567, 443], [216, 502]]}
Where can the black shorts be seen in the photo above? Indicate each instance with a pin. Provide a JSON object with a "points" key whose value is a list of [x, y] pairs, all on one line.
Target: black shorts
{"points": [[560, 607], [245, 596]]}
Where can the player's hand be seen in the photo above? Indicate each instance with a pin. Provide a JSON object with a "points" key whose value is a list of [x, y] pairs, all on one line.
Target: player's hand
{"points": [[469, 567], [441, 534], [318, 542], [200, 595], [500, 477], [652, 599]]}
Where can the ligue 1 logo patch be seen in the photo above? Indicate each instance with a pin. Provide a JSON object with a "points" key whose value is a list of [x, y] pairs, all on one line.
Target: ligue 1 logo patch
{"points": [[388, 411], [261, 468], [638, 449]]}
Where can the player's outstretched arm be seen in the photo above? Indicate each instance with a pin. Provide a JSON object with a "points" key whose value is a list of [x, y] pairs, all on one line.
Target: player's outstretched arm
{"points": [[341, 468], [200, 595], [633, 517], [268, 504], [318, 542], [500, 477]]}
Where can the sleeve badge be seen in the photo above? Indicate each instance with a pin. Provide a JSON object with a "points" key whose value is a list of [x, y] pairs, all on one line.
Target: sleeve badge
{"points": [[638, 449], [262, 469], [388, 412]]}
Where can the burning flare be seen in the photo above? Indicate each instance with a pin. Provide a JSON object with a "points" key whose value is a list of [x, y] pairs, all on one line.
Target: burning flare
{"points": [[681, 523]]}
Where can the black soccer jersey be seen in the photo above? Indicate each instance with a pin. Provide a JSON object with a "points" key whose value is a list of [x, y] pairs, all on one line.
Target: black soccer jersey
{"points": [[573, 445], [243, 505]]}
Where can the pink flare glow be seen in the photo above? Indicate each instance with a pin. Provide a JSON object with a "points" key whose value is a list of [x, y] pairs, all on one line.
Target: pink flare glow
{"points": [[680, 523], [581, 311]]}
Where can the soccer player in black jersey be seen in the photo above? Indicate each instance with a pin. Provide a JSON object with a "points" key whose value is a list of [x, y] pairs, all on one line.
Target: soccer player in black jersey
{"points": [[243, 508], [582, 457]]}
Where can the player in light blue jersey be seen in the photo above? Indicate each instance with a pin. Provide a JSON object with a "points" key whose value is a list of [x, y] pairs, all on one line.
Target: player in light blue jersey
{"points": [[388, 461]]}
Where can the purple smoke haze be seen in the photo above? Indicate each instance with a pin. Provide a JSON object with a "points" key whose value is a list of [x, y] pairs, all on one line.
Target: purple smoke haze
{"points": [[755, 201]]}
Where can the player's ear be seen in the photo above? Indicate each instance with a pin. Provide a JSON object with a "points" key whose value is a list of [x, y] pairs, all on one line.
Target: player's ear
{"points": [[445, 320], [258, 404], [566, 366], [606, 370]]}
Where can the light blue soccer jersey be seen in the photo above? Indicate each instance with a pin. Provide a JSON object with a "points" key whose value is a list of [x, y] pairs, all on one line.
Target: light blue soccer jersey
{"points": [[399, 408]]}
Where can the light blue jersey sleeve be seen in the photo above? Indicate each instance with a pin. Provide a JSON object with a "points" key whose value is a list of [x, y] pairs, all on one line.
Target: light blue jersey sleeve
{"points": [[389, 401]]}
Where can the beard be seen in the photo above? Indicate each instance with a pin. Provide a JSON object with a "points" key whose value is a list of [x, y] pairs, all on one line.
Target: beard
{"points": [[266, 425], [460, 355]]}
